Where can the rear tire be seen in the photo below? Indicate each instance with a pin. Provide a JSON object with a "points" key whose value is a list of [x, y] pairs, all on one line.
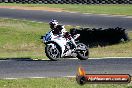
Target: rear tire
{"points": [[82, 55], [125, 37]]}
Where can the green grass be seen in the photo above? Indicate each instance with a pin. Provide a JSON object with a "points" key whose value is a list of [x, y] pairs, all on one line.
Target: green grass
{"points": [[55, 83], [96, 9], [21, 39]]}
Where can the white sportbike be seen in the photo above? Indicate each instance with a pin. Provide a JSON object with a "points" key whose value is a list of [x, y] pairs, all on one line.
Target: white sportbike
{"points": [[58, 47]]}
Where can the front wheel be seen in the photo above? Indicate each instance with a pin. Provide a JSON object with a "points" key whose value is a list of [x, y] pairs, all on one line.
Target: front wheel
{"points": [[52, 52], [83, 51]]}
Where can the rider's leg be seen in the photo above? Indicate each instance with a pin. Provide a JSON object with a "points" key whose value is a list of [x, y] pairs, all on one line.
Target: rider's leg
{"points": [[73, 42]]}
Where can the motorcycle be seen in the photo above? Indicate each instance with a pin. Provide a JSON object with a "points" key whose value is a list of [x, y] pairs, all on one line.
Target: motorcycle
{"points": [[58, 46]]}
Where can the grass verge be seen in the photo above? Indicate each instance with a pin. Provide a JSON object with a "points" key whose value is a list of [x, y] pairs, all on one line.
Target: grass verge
{"points": [[55, 83], [95, 9], [21, 39]]}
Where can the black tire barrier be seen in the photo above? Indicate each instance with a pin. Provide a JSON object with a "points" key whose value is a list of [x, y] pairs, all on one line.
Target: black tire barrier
{"points": [[100, 37], [68, 1]]}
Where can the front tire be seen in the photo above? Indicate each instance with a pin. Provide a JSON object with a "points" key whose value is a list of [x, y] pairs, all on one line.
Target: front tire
{"points": [[82, 54], [52, 52]]}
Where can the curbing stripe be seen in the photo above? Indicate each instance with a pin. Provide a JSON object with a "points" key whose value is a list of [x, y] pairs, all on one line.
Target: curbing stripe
{"points": [[88, 58]]}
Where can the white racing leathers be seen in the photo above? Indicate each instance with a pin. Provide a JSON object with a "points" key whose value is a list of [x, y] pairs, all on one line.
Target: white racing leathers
{"points": [[63, 31]]}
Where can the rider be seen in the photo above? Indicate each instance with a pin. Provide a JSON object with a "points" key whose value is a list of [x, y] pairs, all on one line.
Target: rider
{"points": [[53, 24], [60, 30]]}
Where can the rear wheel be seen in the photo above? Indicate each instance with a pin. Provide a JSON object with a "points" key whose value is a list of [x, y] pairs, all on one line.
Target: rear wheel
{"points": [[82, 52], [52, 52], [125, 36]]}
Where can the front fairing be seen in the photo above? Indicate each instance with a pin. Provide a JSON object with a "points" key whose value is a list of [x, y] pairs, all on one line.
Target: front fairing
{"points": [[47, 37], [59, 39]]}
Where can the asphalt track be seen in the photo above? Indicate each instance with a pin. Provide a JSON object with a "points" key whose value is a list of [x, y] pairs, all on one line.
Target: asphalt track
{"points": [[77, 19], [27, 68]]}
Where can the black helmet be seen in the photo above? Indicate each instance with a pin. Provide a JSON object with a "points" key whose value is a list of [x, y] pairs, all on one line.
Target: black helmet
{"points": [[53, 22]]}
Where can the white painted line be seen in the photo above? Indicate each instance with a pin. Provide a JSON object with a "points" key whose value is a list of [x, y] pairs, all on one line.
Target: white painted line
{"points": [[103, 58], [88, 58], [88, 13], [39, 77], [111, 58], [128, 17], [25, 77], [24, 20], [10, 78], [72, 12], [70, 76], [117, 57], [108, 15]]}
